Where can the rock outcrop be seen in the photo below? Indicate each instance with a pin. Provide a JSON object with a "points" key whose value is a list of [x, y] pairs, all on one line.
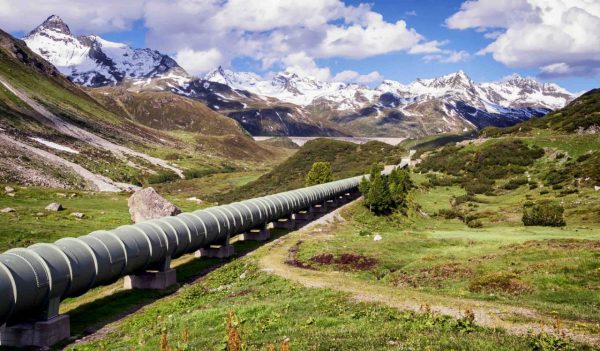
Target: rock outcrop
{"points": [[147, 204]]}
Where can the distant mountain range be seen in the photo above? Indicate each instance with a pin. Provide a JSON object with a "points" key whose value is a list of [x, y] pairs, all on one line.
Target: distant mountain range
{"points": [[290, 104]]}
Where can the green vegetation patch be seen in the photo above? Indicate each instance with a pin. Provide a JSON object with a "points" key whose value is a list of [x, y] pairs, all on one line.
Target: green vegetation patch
{"points": [[269, 310], [477, 168], [346, 160]]}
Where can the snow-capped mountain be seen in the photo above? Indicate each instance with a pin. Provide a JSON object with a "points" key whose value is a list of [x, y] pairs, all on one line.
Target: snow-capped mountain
{"points": [[92, 61], [453, 102], [288, 103]]}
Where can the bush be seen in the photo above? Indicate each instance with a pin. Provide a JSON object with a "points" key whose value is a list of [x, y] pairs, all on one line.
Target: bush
{"points": [[475, 223], [478, 186], [544, 214], [515, 183], [505, 282], [196, 173], [449, 213], [162, 177]]}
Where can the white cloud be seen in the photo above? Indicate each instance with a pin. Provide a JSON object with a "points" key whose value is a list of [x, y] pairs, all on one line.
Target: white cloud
{"points": [[448, 56], [302, 64], [560, 37], [272, 32], [410, 13], [428, 47], [346, 76], [83, 16], [369, 78], [197, 62], [350, 76]]}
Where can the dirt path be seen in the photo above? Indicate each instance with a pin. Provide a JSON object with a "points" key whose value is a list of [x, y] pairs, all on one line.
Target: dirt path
{"points": [[486, 313], [78, 133]]}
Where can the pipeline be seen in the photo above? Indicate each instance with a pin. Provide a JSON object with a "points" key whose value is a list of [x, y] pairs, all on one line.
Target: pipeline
{"points": [[35, 279]]}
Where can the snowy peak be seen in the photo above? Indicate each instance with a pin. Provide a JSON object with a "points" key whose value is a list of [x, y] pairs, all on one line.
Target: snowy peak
{"points": [[455, 80], [54, 24], [90, 60]]}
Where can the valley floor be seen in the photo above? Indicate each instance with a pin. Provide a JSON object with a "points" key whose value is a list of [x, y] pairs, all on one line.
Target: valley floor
{"points": [[429, 284]]}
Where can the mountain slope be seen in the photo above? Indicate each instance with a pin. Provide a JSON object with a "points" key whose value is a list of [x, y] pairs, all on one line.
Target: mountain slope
{"points": [[58, 135], [581, 116], [346, 159]]}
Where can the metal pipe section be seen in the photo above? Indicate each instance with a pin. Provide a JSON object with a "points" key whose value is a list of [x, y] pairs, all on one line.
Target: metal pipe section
{"points": [[34, 279]]}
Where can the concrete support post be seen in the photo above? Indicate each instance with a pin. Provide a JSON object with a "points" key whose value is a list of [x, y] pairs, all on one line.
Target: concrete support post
{"points": [[257, 234], [151, 280], [162, 279], [285, 223], [306, 215], [225, 250], [340, 201], [40, 334], [317, 210], [330, 204]]}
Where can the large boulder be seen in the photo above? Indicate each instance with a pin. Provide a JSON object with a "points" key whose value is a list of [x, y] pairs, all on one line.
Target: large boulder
{"points": [[147, 204], [54, 207]]}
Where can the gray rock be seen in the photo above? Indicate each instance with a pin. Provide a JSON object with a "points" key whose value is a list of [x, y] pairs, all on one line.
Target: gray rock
{"points": [[7, 210], [54, 207], [9, 189], [78, 215], [147, 204]]}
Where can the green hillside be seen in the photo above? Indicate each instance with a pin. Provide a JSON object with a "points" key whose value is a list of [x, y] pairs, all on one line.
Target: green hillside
{"points": [[346, 159], [582, 115]]}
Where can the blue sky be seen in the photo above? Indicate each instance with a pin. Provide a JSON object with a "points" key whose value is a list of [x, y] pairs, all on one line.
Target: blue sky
{"points": [[151, 24]]}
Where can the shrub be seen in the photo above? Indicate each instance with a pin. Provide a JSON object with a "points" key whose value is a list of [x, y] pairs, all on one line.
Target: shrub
{"points": [[162, 177], [506, 282], [555, 177], [544, 191], [544, 214], [196, 173], [449, 213], [515, 183], [547, 342], [478, 186], [474, 223]]}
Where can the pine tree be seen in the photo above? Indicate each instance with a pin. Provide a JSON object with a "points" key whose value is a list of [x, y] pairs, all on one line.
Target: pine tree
{"points": [[320, 173], [378, 197]]}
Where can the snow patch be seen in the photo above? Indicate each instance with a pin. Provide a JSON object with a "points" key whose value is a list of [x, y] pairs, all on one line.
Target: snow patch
{"points": [[54, 145]]}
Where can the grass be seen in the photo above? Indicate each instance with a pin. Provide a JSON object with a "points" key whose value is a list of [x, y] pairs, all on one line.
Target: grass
{"points": [[31, 223], [269, 310], [346, 159], [555, 269]]}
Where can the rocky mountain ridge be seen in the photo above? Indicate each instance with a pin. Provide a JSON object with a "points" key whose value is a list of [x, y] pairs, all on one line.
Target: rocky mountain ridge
{"points": [[292, 104]]}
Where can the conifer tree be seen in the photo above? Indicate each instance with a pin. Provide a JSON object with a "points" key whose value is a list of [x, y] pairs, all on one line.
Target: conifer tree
{"points": [[320, 173]]}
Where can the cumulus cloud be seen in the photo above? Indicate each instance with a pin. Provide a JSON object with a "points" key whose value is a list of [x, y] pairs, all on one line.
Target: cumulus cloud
{"points": [[85, 16], [300, 63], [196, 62], [560, 37], [448, 56], [350, 76], [276, 32]]}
